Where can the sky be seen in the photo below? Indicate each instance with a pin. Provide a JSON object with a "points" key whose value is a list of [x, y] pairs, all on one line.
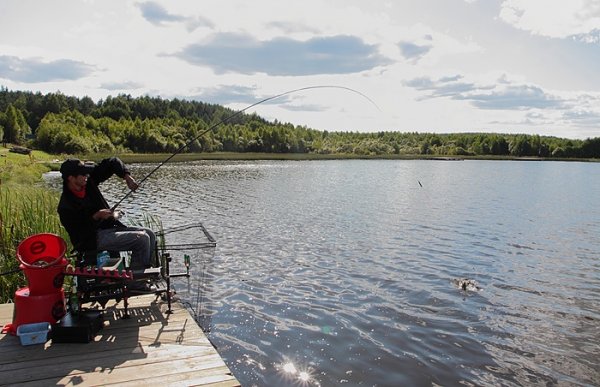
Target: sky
{"points": [[503, 66]]}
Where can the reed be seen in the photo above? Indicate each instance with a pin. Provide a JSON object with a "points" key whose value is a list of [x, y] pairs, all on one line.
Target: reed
{"points": [[24, 211], [154, 223]]}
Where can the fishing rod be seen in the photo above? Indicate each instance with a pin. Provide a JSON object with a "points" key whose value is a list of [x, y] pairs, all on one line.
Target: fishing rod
{"points": [[230, 117]]}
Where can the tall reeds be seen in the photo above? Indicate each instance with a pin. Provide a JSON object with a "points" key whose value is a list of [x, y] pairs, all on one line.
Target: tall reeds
{"points": [[24, 211]]}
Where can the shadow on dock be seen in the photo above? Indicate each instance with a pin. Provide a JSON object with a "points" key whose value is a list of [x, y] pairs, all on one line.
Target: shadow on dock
{"points": [[148, 347]]}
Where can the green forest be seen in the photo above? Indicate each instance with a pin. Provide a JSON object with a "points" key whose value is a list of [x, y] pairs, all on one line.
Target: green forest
{"points": [[58, 124]]}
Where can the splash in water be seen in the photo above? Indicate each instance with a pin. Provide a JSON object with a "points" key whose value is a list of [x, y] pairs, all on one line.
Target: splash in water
{"points": [[466, 284]]}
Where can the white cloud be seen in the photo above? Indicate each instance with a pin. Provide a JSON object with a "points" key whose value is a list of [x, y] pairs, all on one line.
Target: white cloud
{"points": [[501, 94], [121, 86], [156, 14], [34, 70], [429, 65], [554, 18], [283, 56], [412, 51]]}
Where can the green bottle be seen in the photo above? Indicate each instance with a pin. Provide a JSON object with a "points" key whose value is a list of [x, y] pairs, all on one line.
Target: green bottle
{"points": [[74, 301]]}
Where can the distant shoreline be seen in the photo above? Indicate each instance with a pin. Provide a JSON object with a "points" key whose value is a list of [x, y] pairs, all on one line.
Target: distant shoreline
{"points": [[148, 158], [183, 157]]}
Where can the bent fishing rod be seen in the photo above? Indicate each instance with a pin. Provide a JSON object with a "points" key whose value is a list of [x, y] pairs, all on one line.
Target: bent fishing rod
{"points": [[232, 116]]}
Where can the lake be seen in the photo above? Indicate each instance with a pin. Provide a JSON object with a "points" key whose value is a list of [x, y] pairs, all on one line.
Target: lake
{"points": [[342, 272]]}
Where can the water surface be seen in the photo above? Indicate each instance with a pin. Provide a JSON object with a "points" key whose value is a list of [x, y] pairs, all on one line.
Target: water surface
{"points": [[340, 272]]}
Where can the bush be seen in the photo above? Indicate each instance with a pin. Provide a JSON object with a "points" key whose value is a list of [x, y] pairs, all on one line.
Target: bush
{"points": [[78, 145]]}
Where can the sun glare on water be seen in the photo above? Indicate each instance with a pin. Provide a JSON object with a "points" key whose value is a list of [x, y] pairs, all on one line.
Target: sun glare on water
{"points": [[302, 376], [290, 368]]}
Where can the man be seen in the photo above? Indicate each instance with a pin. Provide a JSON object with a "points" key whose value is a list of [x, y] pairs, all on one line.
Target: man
{"points": [[88, 219]]}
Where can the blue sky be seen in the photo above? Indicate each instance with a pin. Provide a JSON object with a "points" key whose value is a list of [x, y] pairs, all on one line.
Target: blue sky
{"points": [[509, 66]]}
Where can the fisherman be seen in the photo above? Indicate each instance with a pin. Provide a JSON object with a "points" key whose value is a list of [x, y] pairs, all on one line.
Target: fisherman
{"points": [[89, 220]]}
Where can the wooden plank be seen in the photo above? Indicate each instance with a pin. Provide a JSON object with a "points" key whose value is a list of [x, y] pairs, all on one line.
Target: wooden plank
{"points": [[6, 313], [174, 328], [116, 372], [148, 347], [107, 357]]}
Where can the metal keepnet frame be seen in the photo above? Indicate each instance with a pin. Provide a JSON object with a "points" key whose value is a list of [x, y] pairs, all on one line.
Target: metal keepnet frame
{"points": [[190, 249]]}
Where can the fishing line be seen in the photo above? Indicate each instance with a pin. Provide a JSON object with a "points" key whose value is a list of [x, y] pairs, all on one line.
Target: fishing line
{"points": [[239, 112], [10, 272]]}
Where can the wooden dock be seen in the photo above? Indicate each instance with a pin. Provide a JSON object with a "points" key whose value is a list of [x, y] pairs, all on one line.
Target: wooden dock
{"points": [[149, 348]]}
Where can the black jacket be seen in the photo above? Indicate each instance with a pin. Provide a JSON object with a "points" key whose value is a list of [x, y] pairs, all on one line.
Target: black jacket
{"points": [[76, 214]]}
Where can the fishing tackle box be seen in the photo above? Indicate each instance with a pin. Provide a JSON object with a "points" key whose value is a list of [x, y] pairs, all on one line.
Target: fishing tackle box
{"points": [[79, 328]]}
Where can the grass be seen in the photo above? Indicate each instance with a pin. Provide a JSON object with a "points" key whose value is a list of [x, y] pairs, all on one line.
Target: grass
{"points": [[18, 169], [183, 157], [24, 211], [26, 208]]}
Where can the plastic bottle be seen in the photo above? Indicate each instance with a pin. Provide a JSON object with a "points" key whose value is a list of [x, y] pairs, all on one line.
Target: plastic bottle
{"points": [[74, 301], [102, 258]]}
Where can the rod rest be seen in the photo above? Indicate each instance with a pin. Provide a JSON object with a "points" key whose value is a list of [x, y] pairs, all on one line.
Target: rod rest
{"points": [[149, 272], [95, 272]]}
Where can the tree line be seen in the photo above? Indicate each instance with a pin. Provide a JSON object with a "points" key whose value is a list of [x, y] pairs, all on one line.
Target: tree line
{"points": [[57, 123]]}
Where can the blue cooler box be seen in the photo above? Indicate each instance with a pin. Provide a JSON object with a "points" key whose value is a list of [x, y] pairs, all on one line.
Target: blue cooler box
{"points": [[36, 333]]}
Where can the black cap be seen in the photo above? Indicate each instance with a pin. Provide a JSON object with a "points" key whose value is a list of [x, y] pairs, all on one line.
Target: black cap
{"points": [[74, 167]]}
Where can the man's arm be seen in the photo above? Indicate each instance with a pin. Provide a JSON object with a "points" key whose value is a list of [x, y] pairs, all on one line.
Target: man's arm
{"points": [[131, 183], [109, 167]]}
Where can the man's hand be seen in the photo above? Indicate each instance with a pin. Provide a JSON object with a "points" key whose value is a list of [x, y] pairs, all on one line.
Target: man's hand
{"points": [[102, 214], [131, 182]]}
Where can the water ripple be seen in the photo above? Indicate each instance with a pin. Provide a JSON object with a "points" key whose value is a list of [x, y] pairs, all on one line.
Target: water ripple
{"points": [[334, 272]]}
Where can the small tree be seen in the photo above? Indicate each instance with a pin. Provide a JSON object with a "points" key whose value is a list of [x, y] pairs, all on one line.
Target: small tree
{"points": [[15, 126], [519, 146]]}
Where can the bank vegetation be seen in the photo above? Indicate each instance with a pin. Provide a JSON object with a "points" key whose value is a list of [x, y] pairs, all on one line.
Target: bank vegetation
{"points": [[27, 207], [57, 123]]}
